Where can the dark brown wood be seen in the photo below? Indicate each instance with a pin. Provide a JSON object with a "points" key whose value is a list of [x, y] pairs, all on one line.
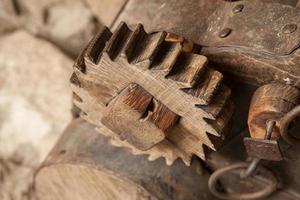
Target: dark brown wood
{"points": [[83, 165], [263, 149], [138, 118]]}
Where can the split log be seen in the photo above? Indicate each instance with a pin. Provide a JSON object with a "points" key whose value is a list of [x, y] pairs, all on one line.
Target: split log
{"points": [[83, 165]]}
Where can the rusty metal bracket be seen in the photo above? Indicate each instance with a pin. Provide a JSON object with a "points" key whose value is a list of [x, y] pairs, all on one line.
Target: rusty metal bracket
{"points": [[274, 32], [257, 155], [231, 36], [266, 148], [249, 170], [263, 149]]}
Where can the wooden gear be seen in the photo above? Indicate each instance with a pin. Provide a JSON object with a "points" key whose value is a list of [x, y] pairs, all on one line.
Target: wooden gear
{"points": [[152, 92]]}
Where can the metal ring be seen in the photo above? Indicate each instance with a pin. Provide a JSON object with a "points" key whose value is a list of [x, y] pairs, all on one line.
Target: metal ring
{"points": [[250, 169], [269, 189], [284, 125]]}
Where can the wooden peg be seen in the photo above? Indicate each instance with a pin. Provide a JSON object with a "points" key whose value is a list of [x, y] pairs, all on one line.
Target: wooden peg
{"points": [[137, 117]]}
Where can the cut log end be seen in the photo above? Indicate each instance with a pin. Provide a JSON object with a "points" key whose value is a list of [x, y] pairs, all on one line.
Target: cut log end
{"points": [[83, 165], [65, 180]]}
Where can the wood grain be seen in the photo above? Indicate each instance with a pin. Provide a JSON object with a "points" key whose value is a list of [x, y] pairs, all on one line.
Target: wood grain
{"points": [[83, 165], [168, 70], [138, 118], [270, 102]]}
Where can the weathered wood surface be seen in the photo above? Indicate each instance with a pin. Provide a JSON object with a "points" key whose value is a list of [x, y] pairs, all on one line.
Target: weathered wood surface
{"points": [[270, 102], [83, 165], [163, 66], [264, 57], [136, 116]]}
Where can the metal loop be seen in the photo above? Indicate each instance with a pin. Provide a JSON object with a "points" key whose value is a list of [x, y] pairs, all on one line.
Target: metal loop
{"points": [[250, 169], [269, 189], [284, 125]]}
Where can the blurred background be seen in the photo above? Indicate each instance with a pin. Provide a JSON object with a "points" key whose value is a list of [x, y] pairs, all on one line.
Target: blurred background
{"points": [[39, 40]]}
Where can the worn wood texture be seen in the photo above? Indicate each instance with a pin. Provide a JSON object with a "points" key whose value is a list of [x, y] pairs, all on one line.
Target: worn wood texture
{"points": [[262, 53], [178, 79], [135, 116], [270, 102], [83, 165]]}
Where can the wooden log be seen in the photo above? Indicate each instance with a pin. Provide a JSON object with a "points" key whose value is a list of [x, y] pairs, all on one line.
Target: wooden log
{"points": [[270, 102], [83, 165]]}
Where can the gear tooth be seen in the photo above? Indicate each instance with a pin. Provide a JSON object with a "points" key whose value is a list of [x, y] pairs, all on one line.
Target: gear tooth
{"points": [[200, 153], [84, 115], [134, 39], [77, 89], [219, 125], [190, 143], [74, 80], [166, 57], [80, 75], [222, 121], [165, 150], [210, 128], [114, 142], [79, 64], [152, 43], [96, 45], [169, 161], [222, 125], [76, 97], [218, 103], [187, 162], [153, 157], [135, 151], [141, 47], [187, 69], [79, 104], [207, 87], [117, 41]]}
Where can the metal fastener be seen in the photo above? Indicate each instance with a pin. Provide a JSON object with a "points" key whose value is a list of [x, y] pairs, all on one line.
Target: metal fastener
{"points": [[252, 167], [238, 8], [289, 28], [224, 33]]}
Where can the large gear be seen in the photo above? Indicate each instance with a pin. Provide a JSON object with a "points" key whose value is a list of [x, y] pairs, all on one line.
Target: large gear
{"points": [[171, 71]]}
